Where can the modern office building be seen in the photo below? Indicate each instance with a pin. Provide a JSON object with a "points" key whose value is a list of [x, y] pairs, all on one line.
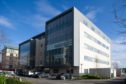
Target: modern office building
{"points": [[74, 44], [31, 52], [9, 57]]}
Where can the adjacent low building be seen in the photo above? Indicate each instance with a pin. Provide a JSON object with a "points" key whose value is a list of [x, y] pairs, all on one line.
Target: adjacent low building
{"points": [[9, 58], [31, 52], [74, 44]]}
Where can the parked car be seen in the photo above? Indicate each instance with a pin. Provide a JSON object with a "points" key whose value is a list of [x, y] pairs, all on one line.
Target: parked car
{"points": [[7, 74], [65, 76], [52, 76], [27, 73], [2, 73], [59, 75], [34, 75], [43, 75]]}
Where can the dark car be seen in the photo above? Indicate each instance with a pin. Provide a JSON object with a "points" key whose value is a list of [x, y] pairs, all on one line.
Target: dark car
{"points": [[43, 75], [52, 76], [65, 76], [59, 75]]}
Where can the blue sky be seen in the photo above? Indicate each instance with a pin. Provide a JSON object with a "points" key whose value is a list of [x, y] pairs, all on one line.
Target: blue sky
{"points": [[22, 19]]}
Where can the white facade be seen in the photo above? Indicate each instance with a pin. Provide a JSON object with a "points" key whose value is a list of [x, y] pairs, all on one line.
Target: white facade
{"points": [[92, 48], [14, 51]]}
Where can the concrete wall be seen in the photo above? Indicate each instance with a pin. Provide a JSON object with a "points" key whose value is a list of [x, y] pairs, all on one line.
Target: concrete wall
{"points": [[76, 38], [104, 72], [40, 49], [113, 73]]}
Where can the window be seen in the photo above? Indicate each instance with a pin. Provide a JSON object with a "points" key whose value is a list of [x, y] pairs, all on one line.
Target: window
{"points": [[89, 58], [92, 59], [25, 54], [95, 50], [60, 37], [95, 40], [96, 31]]}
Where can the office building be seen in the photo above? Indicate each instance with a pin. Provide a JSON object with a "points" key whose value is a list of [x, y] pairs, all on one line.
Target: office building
{"points": [[74, 44], [31, 52], [9, 57]]}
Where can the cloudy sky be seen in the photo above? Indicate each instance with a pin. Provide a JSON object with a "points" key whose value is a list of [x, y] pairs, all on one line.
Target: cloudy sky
{"points": [[22, 19]]}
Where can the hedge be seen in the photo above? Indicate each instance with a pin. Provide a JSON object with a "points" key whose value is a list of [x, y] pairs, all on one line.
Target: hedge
{"points": [[88, 76], [4, 80]]}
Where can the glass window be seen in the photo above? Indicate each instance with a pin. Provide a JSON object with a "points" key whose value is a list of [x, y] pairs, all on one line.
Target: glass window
{"points": [[95, 40], [95, 50], [92, 59], [61, 38], [25, 53]]}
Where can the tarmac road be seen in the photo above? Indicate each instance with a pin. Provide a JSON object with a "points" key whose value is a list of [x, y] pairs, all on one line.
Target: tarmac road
{"points": [[47, 81]]}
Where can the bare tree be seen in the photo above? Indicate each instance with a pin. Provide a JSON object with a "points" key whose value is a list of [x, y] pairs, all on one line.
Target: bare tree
{"points": [[3, 38], [115, 65]]}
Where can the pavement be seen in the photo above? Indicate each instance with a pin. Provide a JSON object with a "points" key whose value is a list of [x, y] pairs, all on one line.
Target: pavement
{"points": [[47, 81]]}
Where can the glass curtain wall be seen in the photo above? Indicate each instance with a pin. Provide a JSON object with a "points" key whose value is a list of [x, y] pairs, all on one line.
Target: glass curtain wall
{"points": [[59, 33], [25, 54]]}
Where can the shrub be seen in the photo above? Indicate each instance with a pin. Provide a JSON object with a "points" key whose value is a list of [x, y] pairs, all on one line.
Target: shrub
{"points": [[16, 81], [2, 79], [12, 81], [89, 76], [77, 78]]}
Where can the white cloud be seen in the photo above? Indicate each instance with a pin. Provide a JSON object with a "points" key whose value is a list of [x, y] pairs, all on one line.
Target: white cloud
{"points": [[5, 22], [92, 15], [65, 7], [45, 11], [92, 12], [39, 21], [44, 7], [119, 51], [87, 8]]}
